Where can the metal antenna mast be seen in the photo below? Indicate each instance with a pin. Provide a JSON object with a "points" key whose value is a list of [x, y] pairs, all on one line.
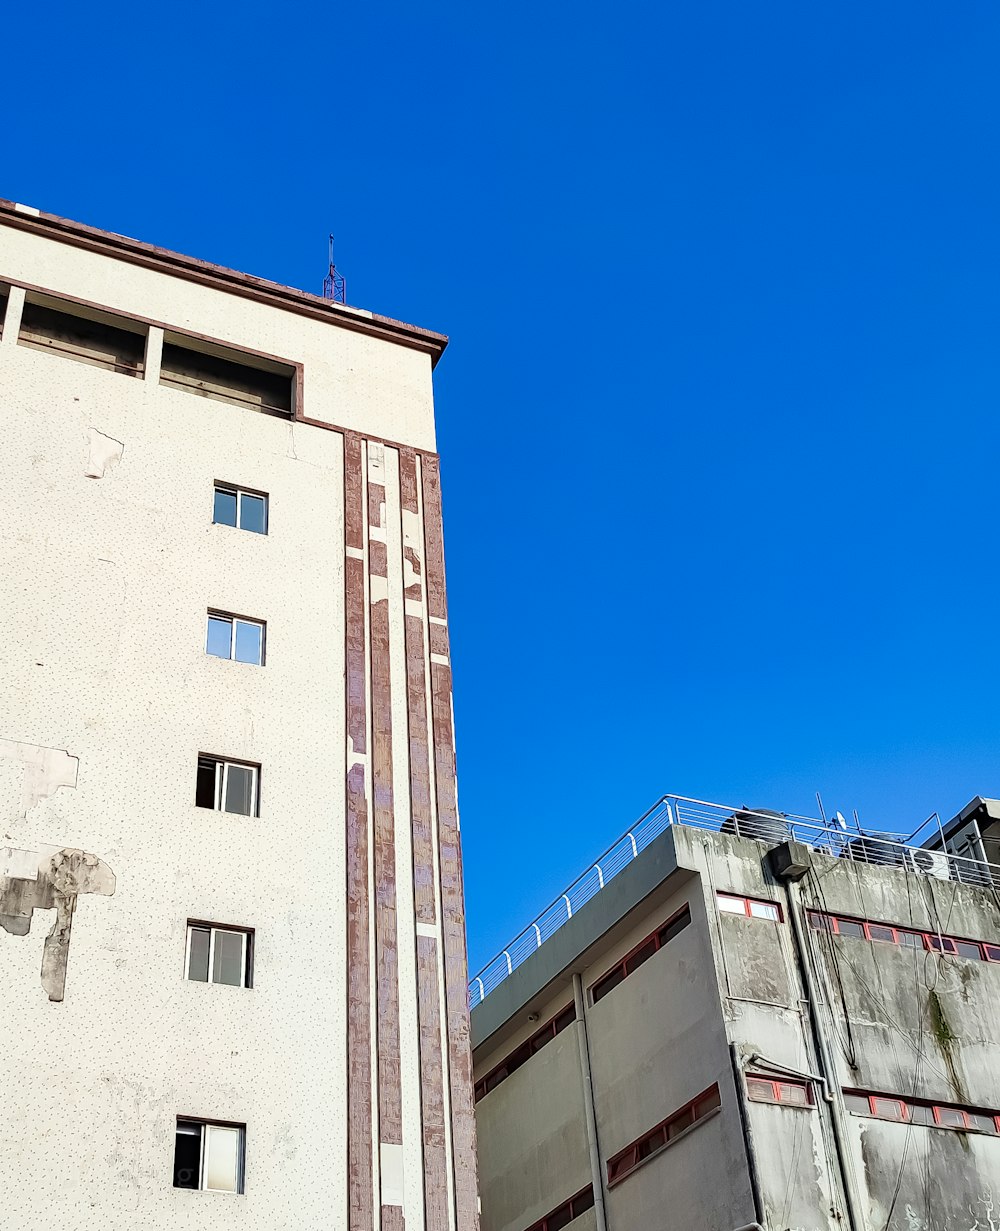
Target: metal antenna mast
{"points": [[334, 286]]}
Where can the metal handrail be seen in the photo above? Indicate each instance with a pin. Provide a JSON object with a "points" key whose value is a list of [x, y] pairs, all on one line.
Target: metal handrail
{"points": [[890, 850]]}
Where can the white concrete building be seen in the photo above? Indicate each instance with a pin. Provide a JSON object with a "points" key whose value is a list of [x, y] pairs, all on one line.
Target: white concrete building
{"points": [[231, 924]]}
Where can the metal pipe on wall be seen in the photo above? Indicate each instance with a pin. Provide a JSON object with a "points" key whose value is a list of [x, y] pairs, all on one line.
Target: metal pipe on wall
{"points": [[596, 1175], [744, 1110], [855, 1214]]}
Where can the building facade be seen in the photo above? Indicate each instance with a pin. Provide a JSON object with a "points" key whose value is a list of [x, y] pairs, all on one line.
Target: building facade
{"points": [[754, 1023], [231, 917]]}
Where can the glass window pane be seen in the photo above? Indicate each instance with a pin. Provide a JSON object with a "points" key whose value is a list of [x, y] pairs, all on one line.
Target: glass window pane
{"points": [[877, 932], [674, 926], [253, 513], [921, 1115], [764, 910], [707, 1104], [760, 1091], [198, 955], [992, 952], [205, 790], [789, 1093], [911, 940], [239, 790], [220, 637], [848, 927], [949, 1117], [984, 1124], [858, 1103], [222, 1158], [225, 507], [227, 966], [187, 1154], [678, 1125], [608, 983], [735, 906], [249, 638], [966, 948]]}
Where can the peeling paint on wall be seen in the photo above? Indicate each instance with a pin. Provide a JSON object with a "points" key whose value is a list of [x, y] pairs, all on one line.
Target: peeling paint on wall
{"points": [[52, 877], [45, 770], [102, 452]]}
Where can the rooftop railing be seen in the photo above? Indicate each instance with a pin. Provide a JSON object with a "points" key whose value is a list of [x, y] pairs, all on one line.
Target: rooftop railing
{"points": [[886, 850]]}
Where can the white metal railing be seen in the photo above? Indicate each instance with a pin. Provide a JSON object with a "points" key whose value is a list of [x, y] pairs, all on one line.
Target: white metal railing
{"points": [[887, 850]]}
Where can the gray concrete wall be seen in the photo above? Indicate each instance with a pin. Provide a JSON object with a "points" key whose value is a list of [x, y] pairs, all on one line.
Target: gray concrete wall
{"points": [[532, 1138]]}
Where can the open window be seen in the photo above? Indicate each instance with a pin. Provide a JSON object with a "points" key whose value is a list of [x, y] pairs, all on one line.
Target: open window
{"points": [[87, 335], [209, 1156], [219, 955], [227, 375], [228, 786]]}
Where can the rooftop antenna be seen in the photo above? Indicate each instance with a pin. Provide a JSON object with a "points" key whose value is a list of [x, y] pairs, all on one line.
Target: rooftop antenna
{"points": [[334, 286], [822, 810]]}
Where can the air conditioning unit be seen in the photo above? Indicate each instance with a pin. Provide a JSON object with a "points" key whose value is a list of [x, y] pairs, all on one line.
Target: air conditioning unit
{"points": [[931, 863]]}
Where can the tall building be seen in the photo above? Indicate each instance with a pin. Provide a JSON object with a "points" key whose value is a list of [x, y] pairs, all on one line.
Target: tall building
{"points": [[233, 955], [738, 1019]]}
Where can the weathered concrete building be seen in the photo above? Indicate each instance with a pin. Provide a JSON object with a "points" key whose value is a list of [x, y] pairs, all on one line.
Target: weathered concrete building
{"points": [[231, 926], [744, 1020]]}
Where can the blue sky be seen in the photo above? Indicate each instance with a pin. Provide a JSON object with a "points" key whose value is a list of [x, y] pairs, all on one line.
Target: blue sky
{"points": [[719, 418]]}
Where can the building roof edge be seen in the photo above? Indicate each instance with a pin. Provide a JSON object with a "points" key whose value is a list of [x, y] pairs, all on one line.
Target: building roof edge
{"points": [[65, 230]]}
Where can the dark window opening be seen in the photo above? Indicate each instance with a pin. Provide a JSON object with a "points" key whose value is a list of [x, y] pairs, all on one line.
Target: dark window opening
{"points": [[227, 786], [209, 1156], [84, 334], [663, 1134], [524, 1053], [641, 953], [564, 1214], [227, 375]]}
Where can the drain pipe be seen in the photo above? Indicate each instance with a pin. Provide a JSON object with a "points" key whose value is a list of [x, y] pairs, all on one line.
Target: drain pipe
{"points": [[833, 1096], [596, 1176]]}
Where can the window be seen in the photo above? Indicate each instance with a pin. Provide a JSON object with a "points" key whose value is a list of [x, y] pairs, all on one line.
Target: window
{"points": [[227, 786], [790, 1091], [524, 1053], [226, 375], [564, 1214], [209, 1156], [233, 637], [244, 509], [660, 1137], [909, 938], [933, 1115], [641, 953], [752, 907], [219, 955], [87, 335]]}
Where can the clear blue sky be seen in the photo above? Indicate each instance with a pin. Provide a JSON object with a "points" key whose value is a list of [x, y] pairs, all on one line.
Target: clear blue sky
{"points": [[720, 415]]}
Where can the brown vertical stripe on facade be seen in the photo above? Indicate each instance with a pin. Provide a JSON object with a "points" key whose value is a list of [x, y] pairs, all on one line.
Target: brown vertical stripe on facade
{"points": [[428, 973], [450, 858], [359, 1076], [392, 1218], [386, 943]]}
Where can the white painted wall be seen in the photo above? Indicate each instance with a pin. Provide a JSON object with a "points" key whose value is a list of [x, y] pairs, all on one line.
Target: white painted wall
{"points": [[103, 609]]}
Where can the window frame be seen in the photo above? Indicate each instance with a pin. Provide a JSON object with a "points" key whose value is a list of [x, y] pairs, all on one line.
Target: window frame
{"points": [[222, 766], [574, 1206], [624, 1162], [923, 1113], [929, 941], [217, 614], [247, 935], [776, 1083], [748, 904], [203, 1152], [234, 489], [621, 968], [524, 1051]]}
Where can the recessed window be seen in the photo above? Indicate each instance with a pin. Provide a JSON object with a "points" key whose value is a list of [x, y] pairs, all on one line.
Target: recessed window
{"points": [[209, 1156], [87, 335], [954, 946], [790, 1091], [236, 638], [663, 1135], [218, 955], [933, 1115], [523, 1054], [640, 954], [564, 1214], [246, 510], [227, 375], [754, 908], [227, 786]]}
